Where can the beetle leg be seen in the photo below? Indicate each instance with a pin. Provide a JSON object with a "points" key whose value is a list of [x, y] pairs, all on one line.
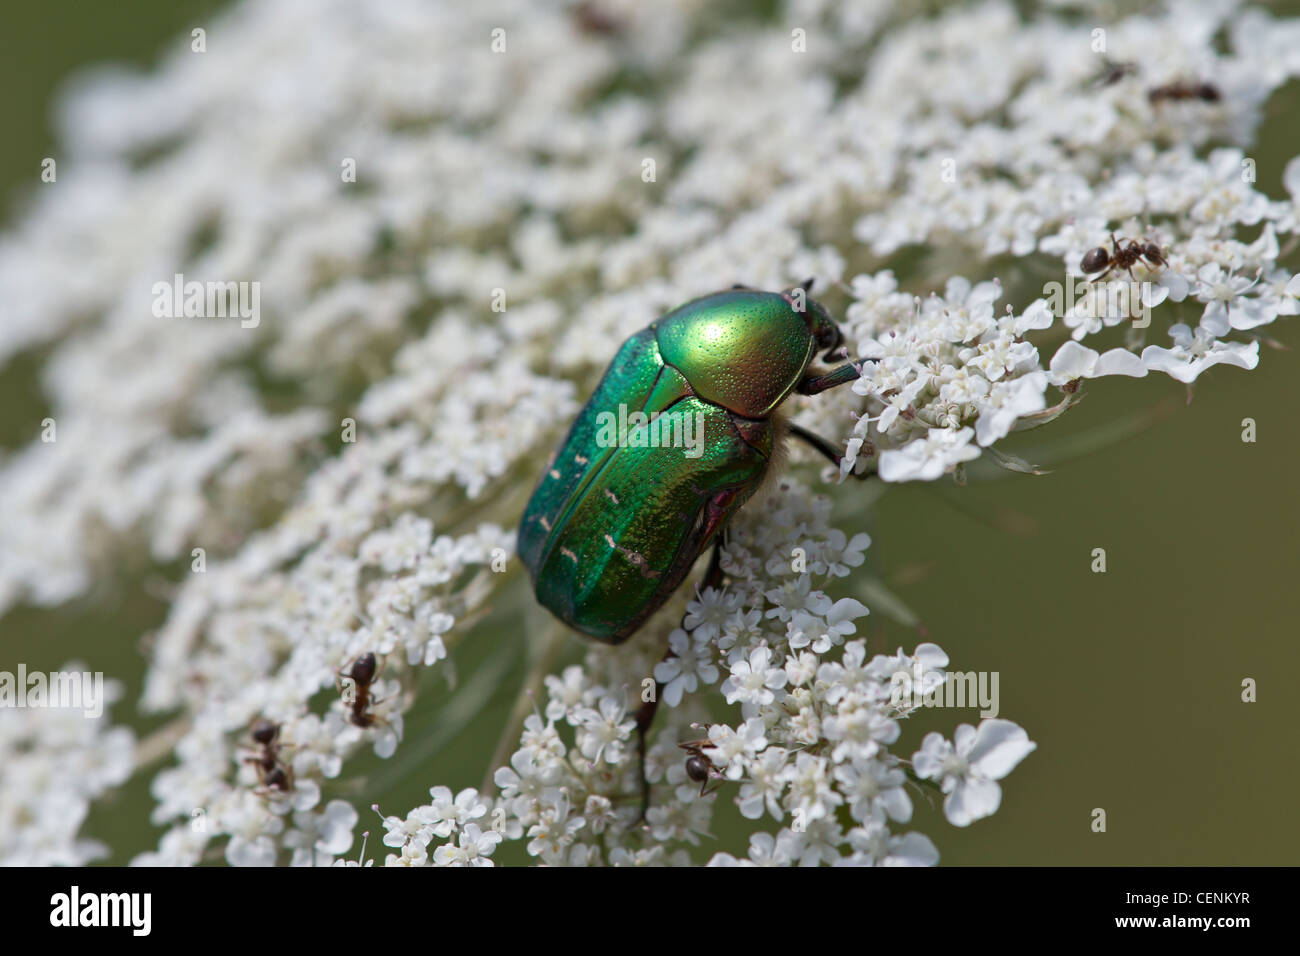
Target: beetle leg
{"points": [[840, 376], [645, 714], [825, 448]]}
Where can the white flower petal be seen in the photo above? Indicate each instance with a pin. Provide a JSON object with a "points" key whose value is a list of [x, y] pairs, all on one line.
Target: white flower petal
{"points": [[999, 745]]}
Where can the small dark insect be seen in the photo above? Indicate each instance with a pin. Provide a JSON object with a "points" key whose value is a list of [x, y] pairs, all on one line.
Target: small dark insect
{"points": [[356, 693], [265, 731], [273, 774], [592, 18], [1206, 92], [699, 768], [1114, 72], [277, 778], [1122, 257]]}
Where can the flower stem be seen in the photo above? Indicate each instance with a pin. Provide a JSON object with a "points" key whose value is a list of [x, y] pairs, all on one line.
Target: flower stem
{"points": [[524, 705]]}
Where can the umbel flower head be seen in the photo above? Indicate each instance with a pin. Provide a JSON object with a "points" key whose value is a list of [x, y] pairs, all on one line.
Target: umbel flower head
{"points": [[452, 227]]}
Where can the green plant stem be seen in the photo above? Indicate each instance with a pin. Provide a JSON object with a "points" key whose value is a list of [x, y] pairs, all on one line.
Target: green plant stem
{"points": [[532, 685]]}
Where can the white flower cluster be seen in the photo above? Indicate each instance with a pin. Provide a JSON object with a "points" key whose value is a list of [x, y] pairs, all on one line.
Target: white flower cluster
{"points": [[56, 762], [460, 815], [815, 721], [397, 596], [1085, 159], [516, 213]]}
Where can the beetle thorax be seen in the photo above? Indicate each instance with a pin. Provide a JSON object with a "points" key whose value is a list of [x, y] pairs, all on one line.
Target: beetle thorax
{"points": [[743, 350]]}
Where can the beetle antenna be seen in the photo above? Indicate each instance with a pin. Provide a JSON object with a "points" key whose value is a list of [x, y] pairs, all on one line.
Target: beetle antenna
{"points": [[807, 284]]}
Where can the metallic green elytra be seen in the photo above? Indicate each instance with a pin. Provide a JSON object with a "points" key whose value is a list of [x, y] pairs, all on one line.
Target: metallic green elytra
{"points": [[630, 501]]}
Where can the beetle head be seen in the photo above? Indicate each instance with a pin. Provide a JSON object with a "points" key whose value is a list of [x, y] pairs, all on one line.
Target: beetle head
{"points": [[825, 332]]}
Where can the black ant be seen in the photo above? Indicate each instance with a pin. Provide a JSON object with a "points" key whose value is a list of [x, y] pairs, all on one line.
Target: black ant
{"points": [[357, 696], [1206, 92], [592, 18], [1114, 73], [273, 774], [699, 768], [1124, 257]]}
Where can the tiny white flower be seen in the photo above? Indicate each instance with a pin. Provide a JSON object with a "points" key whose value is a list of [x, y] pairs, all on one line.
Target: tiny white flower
{"points": [[927, 458], [707, 613], [763, 790], [968, 768], [754, 680], [1226, 307], [602, 733], [1074, 361], [473, 848], [566, 693], [1007, 402], [809, 780], [690, 663], [874, 845], [796, 594], [731, 750], [1194, 352], [874, 790]]}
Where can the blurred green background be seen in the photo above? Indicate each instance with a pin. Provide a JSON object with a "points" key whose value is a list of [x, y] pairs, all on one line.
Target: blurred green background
{"points": [[1129, 681]]}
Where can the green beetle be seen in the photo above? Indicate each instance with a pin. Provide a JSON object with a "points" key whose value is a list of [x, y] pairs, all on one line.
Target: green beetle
{"points": [[620, 516]]}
